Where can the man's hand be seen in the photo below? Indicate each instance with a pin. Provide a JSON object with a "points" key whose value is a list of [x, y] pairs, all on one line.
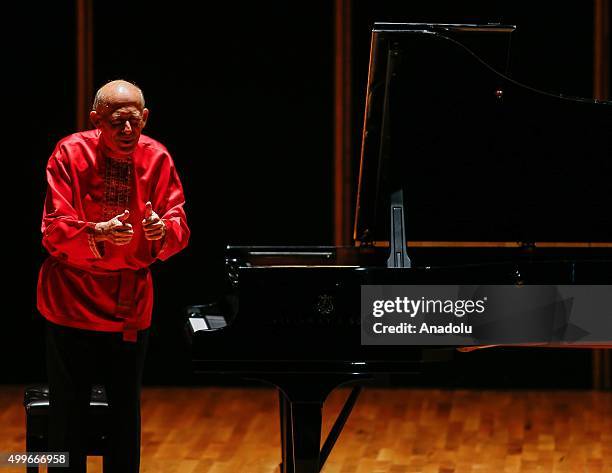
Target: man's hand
{"points": [[115, 231], [153, 226]]}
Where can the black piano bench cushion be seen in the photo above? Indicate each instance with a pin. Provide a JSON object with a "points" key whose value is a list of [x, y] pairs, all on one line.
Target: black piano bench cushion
{"points": [[36, 398]]}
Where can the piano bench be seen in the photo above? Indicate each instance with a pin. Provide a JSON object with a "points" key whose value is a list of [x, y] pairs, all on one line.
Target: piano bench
{"points": [[36, 403]]}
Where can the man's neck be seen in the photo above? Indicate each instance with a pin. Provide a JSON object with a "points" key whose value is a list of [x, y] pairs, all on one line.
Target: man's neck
{"points": [[107, 153]]}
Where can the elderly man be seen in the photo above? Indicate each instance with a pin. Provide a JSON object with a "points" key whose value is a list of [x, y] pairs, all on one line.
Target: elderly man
{"points": [[114, 205]]}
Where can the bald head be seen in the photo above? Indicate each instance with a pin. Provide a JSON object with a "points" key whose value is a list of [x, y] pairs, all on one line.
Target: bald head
{"points": [[119, 115], [118, 92]]}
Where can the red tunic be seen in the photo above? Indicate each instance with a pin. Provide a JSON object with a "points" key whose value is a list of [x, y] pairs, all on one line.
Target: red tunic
{"points": [[101, 286]]}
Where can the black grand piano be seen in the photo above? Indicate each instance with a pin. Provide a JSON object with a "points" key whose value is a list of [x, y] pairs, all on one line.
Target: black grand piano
{"points": [[453, 150]]}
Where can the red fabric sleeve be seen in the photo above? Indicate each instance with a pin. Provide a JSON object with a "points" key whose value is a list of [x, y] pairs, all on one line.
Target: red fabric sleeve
{"points": [[66, 235], [169, 202]]}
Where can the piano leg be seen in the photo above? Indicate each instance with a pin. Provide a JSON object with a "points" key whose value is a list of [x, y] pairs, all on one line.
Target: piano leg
{"points": [[306, 424], [301, 401], [300, 435], [285, 431]]}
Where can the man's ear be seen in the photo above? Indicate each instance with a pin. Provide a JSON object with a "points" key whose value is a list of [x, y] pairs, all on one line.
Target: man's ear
{"points": [[95, 118], [145, 115]]}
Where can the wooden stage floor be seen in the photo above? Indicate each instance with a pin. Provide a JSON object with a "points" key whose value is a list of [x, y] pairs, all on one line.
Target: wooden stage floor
{"points": [[230, 430]]}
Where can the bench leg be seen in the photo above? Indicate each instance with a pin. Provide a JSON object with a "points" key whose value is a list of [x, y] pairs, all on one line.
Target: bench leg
{"points": [[32, 445]]}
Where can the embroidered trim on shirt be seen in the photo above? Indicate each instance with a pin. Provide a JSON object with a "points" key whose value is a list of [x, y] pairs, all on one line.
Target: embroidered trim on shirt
{"points": [[117, 182], [93, 246]]}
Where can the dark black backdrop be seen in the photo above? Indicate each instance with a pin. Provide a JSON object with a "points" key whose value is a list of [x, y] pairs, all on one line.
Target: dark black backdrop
{"points": [[242, 95]]}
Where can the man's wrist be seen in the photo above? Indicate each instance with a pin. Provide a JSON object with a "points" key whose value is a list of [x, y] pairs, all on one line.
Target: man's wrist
{"points": [[100, 231]]}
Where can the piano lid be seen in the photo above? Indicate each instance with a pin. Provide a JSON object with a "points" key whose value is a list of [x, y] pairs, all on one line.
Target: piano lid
{"points": [[479, 156]]}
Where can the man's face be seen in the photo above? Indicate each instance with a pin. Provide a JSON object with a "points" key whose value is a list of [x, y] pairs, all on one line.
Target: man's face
{"points": [[120, 126]]}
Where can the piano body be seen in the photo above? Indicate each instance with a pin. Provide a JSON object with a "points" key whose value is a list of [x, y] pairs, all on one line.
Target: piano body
{"points": [[453, 150]]}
